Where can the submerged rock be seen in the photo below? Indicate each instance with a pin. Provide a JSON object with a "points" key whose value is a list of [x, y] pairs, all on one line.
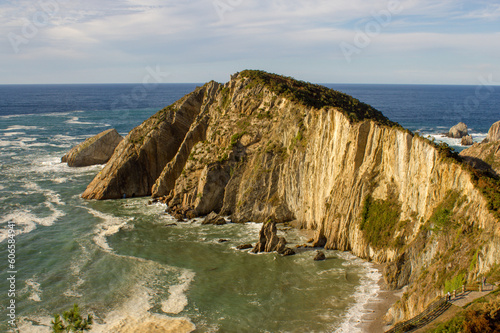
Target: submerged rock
{"points": [[214, 218], [458, 131], [467, 140], [95, 150], [244, 246]]}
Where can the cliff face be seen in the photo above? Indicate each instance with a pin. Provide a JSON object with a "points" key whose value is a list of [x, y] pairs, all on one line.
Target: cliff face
{"points": [[263, 146]]}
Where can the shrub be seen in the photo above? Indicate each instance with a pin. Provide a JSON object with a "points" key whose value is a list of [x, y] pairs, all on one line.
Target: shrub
{"points": [[379, 220], [71, 321]]}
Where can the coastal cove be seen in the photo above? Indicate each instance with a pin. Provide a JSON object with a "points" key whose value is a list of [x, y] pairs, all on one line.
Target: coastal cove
{"points": [[126, 259]]}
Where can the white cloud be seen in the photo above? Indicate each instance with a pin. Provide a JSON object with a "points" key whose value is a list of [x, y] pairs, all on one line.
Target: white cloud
{"points": [[190, 34]]}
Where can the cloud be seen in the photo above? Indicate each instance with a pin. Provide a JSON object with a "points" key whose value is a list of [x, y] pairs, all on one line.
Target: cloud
{"points": [[290, 35]]}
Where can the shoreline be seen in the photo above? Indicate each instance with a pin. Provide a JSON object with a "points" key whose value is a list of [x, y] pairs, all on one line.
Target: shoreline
{"points": [[372, 320]]}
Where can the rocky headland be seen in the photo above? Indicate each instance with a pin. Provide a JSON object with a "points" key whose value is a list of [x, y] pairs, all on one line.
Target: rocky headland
{"points": [[263, 146]]}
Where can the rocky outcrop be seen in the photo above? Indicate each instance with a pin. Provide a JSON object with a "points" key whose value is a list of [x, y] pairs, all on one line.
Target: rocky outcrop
{"points": [[142, 156], [264, 147], [319, 256], [214, 218], [467, 141], [494, 132], [484, 156], [95, 150], [458, 131], [270, 242]]}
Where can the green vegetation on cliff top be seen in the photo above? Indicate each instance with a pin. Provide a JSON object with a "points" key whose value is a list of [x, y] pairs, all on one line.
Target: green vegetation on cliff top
{"points": [[314, 95]]}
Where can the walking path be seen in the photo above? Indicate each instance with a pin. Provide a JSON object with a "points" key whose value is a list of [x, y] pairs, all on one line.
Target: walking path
{"points": [[441, 310]]}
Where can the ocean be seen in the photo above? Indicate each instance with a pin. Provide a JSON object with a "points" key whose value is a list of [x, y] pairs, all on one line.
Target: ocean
{"points": [[121, 261]]}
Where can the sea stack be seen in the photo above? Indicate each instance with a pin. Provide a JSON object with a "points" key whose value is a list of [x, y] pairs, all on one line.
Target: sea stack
{"points": [[458, 131], [95, 150]]}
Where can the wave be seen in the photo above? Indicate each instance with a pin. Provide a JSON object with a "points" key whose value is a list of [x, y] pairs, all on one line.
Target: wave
{"points": [[110, 226], [14, 133], [22, 127], [75, 121], [364, 294], [25, 221], [177, 300], [34, 289]]}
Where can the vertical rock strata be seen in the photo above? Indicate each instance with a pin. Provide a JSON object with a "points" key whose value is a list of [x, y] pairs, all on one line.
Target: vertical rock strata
{"points": [[264, 146]]}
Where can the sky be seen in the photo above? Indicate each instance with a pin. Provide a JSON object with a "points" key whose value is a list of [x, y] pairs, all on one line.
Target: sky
{"points": [[323, 41]]}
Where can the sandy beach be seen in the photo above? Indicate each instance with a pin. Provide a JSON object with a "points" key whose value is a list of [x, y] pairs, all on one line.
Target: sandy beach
{"points": [[373, 321]]}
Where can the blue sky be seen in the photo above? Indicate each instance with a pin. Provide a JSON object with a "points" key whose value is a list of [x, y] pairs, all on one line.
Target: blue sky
{"points": [[340, 41]]}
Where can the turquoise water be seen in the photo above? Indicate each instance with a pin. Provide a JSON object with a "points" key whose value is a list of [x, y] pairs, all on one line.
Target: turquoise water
{"points": [[119, 260]]}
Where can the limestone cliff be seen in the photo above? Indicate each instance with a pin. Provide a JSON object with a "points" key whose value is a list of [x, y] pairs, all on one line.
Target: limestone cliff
{"points": [[264, 146], [95, 150]]}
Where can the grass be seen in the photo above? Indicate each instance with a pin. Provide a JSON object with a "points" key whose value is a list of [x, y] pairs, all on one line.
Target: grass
{"points": [[441, 219], [316, 96], [455, 283], [379, 221]]}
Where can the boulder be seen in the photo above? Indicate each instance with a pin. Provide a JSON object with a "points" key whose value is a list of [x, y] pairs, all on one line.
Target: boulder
{"points": [[494, 132], [458, 131], [214, 218], [244, 246], [467, 140], [319, 256], [95, 150], [270, 242]]}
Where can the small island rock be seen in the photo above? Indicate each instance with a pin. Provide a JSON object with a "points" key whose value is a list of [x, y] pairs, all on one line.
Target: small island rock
{"points": [[95, 150], [467, 141], [319, 256], [458, 131], [270, 242]]}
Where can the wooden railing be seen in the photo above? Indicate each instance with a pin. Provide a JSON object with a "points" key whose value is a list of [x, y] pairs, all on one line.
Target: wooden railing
{"points": [[429, 314], [434, 310]]}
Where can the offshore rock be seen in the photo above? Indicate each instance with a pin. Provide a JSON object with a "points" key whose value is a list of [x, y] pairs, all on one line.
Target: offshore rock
{"points": [[467, 140], [95, 150], [270, 242], [319, 256], [494, 132], [458, 131], [214, 218]]}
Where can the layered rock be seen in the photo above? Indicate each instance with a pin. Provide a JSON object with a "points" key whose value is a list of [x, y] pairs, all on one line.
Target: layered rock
{"points": [[95, 150], [142, 156], [494, 132], [214, 218], [269, 241], [458, 131], [264, 146], [484, 156]]}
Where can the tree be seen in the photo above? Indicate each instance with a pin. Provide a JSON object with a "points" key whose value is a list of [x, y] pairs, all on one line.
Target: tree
{"points": [[71, 321]]}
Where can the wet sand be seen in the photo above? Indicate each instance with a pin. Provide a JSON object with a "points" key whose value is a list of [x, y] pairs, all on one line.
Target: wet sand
{"points": [[373, 321]]}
